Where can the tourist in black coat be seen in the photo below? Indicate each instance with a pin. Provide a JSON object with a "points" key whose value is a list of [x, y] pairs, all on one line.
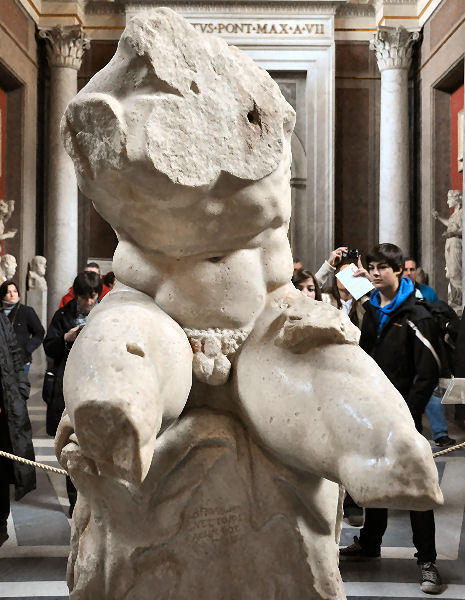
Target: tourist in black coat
{"points": [[63, 330], [403, 357], [61, 334], [15, 426], [26, 324], [459, 363], [402, 337], [57, 348]]}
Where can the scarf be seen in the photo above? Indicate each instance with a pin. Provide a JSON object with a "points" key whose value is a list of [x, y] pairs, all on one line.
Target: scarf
{"points": [[383, 313], [8, 306], [81, 316]]}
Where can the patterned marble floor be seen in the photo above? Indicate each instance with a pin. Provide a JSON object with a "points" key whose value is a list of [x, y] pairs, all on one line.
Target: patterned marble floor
{"points": [[33, 560]]}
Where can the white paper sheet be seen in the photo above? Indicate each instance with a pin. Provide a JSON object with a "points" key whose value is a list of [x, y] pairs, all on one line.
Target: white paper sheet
{"points": [[455, 392], [356, 286]]}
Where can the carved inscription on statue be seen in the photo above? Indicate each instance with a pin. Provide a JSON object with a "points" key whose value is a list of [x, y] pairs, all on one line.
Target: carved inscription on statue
{"points": [[262, 28], [215, 524]]}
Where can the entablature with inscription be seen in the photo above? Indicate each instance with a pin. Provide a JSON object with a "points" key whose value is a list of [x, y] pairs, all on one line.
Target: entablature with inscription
{"points": [[265, 19]]}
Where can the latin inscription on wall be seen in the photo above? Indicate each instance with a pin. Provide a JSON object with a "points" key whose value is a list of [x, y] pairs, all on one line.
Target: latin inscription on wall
{"points": [[267, 30], [241, 30], [271, 28]]}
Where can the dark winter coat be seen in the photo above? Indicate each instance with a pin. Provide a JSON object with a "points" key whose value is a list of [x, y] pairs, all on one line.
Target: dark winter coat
{"points": [[408, 363], [15, 392], [28, 329], [56, 348], [460, 349], [460, 363]]}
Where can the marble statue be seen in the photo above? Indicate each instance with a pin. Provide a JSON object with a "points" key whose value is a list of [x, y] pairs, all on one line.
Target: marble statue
{"points": [[7, 267], [37, 299], [453, 248], [6, 210], [36, 277], [211, 409]]}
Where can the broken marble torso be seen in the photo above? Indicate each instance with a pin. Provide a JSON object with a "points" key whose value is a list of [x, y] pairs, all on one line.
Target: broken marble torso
{"points": [[237, 480], [211, 409]]}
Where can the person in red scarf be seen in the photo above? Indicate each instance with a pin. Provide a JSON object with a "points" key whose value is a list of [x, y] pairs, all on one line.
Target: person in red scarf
{"points": [[92, 266]]}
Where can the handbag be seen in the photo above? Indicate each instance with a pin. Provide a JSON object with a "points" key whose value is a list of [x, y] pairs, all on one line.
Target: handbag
{"points": [[48, 388]]}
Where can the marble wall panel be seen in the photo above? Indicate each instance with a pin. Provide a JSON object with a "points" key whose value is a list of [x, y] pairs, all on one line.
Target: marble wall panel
{"points": [[352, 192], [17, 22], [357, 146], [353, 58], [444, 19]]}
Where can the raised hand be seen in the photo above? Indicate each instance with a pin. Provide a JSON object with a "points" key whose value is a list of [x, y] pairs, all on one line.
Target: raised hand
{"points": [[336, 255], [361, 271]]}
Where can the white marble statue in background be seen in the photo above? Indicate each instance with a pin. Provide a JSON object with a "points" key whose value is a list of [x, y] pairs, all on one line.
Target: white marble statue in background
{"points": [[36, 276], [37, 299], [212, 409], [8, 267], [6, 210], [453, 248]]}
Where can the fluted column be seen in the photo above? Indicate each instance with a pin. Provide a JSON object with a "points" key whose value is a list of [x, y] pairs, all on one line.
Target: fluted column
{"points": [[65, 47], [393, 47]]}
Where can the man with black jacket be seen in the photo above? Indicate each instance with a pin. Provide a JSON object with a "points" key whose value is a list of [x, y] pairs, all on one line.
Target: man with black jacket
{"points": [[460, 364], [400, 334]]}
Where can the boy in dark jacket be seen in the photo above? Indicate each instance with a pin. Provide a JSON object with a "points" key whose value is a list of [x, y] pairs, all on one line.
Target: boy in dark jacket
{"points": [[400, 334]]}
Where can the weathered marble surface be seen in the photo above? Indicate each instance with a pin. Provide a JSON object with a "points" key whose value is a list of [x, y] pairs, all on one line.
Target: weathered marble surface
{"points": [[178, 112], [223, 484]]}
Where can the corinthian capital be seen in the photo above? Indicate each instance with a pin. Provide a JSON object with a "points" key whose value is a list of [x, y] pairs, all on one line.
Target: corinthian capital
{"points": [[65, 45], [393, 47]]}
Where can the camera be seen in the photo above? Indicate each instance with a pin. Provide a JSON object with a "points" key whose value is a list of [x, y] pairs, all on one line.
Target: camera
{"points": [[351, 254]]}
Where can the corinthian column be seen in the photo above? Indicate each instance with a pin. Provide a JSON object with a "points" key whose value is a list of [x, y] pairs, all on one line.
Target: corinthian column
{"points": [[393, 47], [65, 47]]}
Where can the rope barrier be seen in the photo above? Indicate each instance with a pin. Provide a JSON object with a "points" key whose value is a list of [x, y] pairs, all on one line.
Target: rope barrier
{"points": [[33, 463], [63, 472], [447, 450]]}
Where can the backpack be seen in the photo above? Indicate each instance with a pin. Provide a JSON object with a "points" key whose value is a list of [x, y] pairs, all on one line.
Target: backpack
{"points": [[448, 323]]}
